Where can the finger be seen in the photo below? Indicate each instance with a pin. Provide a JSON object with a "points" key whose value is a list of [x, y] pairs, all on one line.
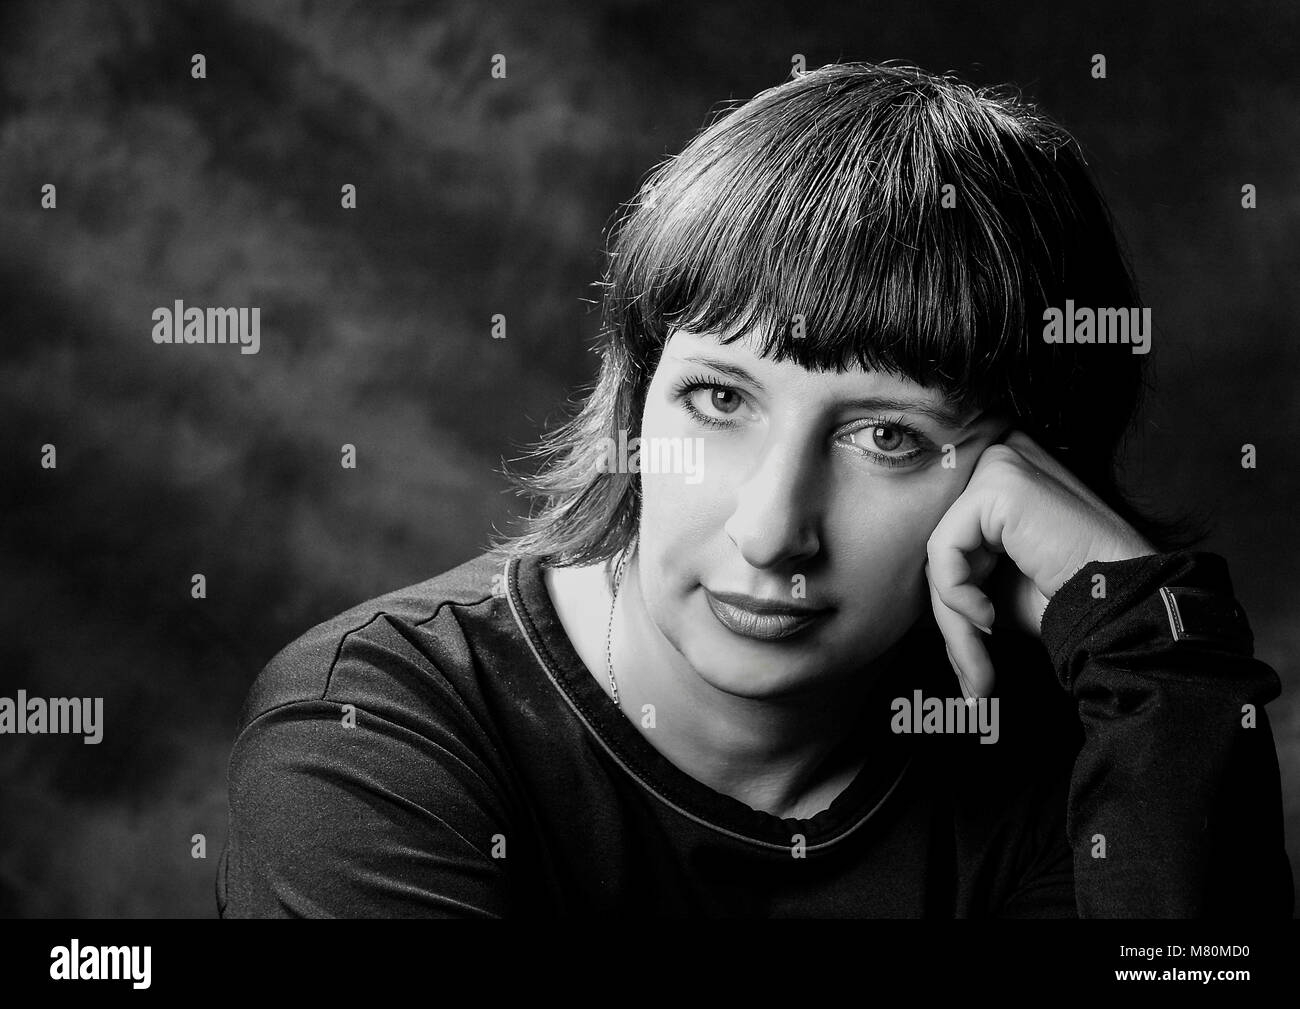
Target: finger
{"points": [[941, 613], [965, 648], [983, 562], [961, 680], [952, 575], [1042, 459], [1111, 535]]}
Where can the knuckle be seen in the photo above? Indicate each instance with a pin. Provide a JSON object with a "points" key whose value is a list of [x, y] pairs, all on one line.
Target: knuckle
{"points": [[1000, 454], [1006, 464]]}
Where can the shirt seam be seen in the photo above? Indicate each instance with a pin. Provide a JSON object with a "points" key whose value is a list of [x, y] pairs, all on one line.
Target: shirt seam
{"points": [[338, 651]]}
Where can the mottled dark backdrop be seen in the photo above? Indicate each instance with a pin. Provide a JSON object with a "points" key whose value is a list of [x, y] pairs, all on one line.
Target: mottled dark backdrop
{"points": [[475, 197]]}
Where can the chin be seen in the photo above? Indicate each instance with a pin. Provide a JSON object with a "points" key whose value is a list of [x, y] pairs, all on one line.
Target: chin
{"points": [[750, 668], [753, 680]]}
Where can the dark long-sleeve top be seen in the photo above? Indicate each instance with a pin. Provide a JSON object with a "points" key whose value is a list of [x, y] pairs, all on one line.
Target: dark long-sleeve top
{"points": [[442, 751]]}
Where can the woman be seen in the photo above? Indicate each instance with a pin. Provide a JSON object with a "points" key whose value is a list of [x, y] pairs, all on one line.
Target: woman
{"points": [[831, 437]]}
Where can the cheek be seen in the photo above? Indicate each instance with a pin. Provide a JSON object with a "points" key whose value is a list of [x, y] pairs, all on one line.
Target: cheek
{"points": [[881, 526], [677, 508], [676, 517]]}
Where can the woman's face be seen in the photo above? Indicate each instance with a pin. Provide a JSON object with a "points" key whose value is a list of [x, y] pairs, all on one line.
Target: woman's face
{"points": [[811, 491]]}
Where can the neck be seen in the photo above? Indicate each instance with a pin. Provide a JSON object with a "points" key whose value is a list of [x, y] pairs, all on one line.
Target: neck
{"points": [[789, 755]]}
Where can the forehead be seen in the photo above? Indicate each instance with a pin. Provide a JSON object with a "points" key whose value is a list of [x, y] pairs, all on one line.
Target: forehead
{"points": [[740, 360]]}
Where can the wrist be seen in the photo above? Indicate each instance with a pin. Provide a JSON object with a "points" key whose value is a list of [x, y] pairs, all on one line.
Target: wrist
{"points": [[1125, 549]]}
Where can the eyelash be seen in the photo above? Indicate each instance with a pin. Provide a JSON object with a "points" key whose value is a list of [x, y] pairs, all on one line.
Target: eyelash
{"points": [[687, 386]]}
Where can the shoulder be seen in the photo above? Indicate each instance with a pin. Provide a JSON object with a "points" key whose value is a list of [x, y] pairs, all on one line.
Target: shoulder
{"points": [[417, 633], [367, 776]]}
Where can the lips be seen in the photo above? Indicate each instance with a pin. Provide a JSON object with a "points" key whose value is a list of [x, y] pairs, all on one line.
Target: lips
{"points": [[762, 621]]}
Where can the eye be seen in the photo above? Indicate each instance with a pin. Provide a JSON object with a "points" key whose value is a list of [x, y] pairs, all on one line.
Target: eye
{"points": [[709, 403], [882, 440], [720, 398], [882, 437]]}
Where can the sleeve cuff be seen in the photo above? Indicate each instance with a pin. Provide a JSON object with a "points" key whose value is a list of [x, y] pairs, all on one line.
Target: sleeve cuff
{"points": [[1182, 599]]}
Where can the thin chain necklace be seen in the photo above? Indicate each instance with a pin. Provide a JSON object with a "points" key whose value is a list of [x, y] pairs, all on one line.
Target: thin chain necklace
{"points": [[609, 630]]}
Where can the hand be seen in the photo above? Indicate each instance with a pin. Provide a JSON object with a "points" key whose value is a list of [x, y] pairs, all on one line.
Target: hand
{"points": [[1027, 516]]}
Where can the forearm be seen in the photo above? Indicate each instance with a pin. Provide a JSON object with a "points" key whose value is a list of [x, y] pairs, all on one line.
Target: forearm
{"points": [[1175, 802]]}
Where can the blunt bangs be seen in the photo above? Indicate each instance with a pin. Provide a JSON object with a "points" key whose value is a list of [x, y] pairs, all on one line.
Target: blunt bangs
{"points": [[816, 216]]}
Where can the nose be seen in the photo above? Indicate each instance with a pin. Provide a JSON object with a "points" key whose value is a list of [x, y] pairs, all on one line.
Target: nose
{"points": [[778, 508]]}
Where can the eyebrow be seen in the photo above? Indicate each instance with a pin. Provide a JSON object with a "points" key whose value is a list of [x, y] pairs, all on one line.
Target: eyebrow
{"points": [[947, 416]]}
